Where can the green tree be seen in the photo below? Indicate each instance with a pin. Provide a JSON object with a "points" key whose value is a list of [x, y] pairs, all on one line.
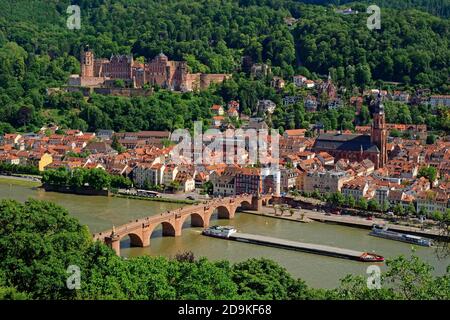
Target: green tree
{"points": [[431, 139], [98, 179], [208, 187], [428, 172], [373, 205], [58, 177], [350, 201], [316, 194], [78, 178], [405, 279], [337, 199], [399, 210], [262, 279], [39, 240], [119, 83], [119, 181], [116, 145], [362, 204], [411, 209]]}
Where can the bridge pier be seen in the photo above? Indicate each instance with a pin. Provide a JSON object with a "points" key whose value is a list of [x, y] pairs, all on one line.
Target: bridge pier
{"points": [[257, 203], [114, 243], [177, 230]]}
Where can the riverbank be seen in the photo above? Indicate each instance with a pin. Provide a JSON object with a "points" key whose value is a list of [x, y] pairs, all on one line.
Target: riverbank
{"points": [[19, 181], [349, 221]]}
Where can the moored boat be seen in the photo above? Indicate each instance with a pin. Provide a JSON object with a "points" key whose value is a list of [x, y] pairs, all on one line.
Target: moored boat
{"points": [[383, 232]]}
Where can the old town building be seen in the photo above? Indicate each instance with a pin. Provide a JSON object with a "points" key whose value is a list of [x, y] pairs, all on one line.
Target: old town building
{"points": [[325, 181]]}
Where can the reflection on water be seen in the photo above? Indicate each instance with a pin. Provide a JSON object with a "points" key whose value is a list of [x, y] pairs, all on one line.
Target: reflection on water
{"points": [[100, 213]]}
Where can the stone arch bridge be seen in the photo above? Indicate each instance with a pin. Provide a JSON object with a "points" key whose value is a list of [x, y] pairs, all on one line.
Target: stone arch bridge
{"points": [[140, 230]]}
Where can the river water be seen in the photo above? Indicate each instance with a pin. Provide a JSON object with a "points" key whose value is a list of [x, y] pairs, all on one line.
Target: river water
{"points": [[100, 213]]}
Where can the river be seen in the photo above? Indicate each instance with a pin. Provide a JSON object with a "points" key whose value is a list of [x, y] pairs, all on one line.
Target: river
{"points": [[100, 213]]}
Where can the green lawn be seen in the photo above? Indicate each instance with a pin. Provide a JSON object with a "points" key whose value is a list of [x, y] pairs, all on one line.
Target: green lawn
{"points": [[19, 182]]}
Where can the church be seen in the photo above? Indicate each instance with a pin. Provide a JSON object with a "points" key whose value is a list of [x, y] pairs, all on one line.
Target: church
{"points": [[357, 147]]}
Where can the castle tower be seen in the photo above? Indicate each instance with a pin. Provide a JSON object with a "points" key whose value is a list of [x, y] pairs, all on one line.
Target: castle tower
{"points": [[379, 132], [87, 63]]}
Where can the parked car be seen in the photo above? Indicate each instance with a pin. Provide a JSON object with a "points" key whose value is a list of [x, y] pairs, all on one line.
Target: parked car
{"points": [[190, 198]]}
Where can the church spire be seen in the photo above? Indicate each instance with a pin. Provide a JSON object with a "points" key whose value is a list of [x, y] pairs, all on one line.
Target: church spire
{"points": [[379, 131], [379, 106]]}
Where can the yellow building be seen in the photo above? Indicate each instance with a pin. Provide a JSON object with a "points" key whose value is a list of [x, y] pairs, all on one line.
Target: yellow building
{"points": [[44, 160]]}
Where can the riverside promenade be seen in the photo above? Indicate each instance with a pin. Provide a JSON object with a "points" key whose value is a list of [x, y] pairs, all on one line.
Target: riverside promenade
{"points": [[351, 221]]}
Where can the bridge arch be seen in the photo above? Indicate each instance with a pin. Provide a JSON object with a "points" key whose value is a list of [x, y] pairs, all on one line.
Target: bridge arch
{"points": [[224, 212], [136, 239], [197, 220], [244, 204], [168, 229]]}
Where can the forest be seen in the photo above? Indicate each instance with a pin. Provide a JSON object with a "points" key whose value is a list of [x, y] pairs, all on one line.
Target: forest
{"points": [[40, 240], [38, 52]]}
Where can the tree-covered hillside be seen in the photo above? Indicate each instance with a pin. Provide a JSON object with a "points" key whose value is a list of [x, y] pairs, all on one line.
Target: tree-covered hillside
{"points": [[37, 51], [214, 34]]}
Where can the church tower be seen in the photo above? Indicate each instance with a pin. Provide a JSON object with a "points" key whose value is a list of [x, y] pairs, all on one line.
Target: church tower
{"points": [[87, 63], [379, 132]]}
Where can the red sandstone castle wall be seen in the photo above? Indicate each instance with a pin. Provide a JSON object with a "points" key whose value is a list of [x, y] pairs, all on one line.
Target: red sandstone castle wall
{"points": [[192, 81], [86, 81], [207, 79]]}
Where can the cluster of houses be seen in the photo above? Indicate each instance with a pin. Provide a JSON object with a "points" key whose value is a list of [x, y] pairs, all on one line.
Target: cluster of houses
{"points": [[303, 169], [223, 116], [320, 93], [301, 166], [395, 183], [143, 160], [325, 94]]}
